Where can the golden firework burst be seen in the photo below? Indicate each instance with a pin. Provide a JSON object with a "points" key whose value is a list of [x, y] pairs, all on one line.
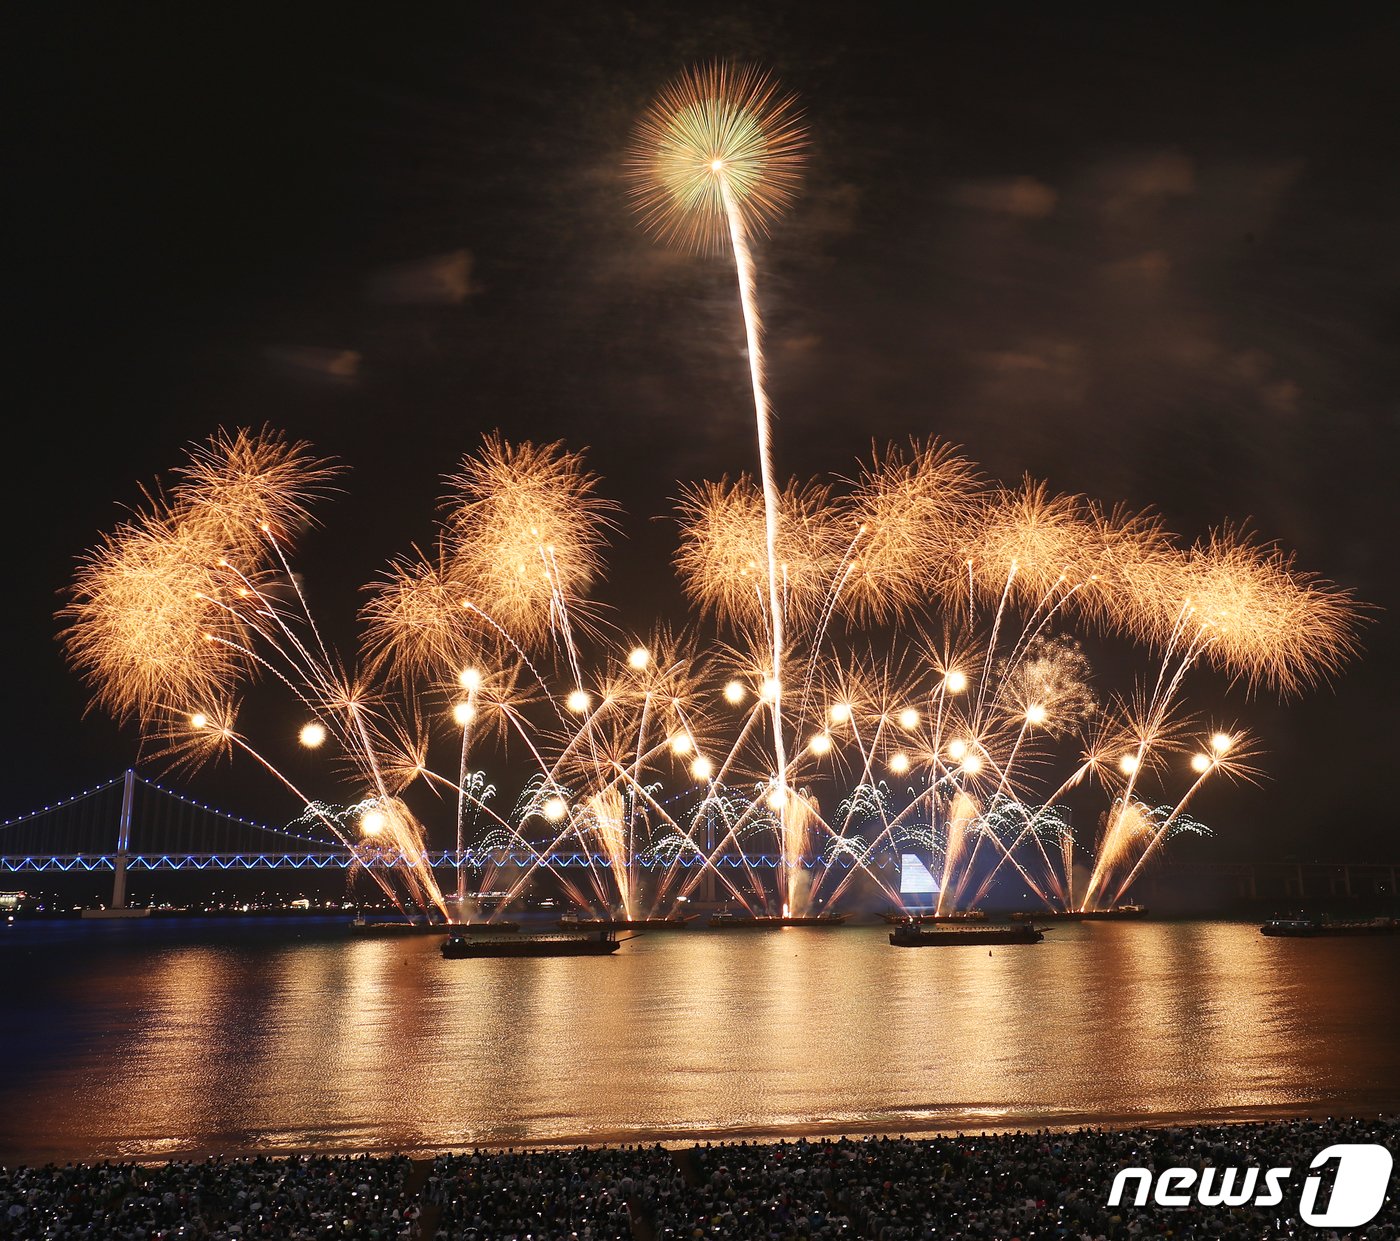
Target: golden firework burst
{"points": [[249, 484], [723, 554], [910, 509], [152, 623], [525, 533], [1261, 618], [416, 624], [717, 131]]}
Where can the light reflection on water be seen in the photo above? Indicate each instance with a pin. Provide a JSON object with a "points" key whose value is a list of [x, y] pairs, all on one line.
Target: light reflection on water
{"points": [[161, 1038]]}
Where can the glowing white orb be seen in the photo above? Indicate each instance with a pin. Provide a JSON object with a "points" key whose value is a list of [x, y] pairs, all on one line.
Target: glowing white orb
{"points": [[957, 750], [955, 682], [899, 763], [555, 809], [820, 744], [578, 702], [1128, 764], [702, 769], [972, 764], [908, 718], [638, 657], [469, 679], [734, 693], [772, 687], [312, 735], [681, 744], [372, 822], [840, 713], [199, 720], [1201, 762], [1221, 743], [1036, 714], [464, 713]]}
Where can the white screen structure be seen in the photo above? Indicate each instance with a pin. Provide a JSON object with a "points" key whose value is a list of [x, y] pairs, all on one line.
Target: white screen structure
{"points": [[915, 879]]}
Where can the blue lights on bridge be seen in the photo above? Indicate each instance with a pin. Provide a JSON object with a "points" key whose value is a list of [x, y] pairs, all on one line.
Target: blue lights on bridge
{"points": [[344, 859], [172, 832]]}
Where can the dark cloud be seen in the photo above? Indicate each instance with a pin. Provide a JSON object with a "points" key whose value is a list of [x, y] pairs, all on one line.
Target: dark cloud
{"points": [[316, 360], [445, 279], [1020, 196]]}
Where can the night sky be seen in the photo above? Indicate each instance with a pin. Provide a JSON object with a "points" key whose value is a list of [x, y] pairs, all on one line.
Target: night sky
{"points": [[1149, 259]]}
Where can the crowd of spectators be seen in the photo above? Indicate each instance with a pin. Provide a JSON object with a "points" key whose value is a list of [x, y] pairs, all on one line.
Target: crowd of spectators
{"points": [[597, 1194], [218, 1199], [1026, 1186]]}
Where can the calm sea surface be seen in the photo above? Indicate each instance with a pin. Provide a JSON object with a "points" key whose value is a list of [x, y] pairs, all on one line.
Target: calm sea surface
{"points": [[146, 1040]]}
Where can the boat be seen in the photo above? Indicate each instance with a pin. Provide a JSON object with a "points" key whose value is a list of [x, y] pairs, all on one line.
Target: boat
{"points": [[361, 927], [572, 922], [1308, 928], [898, 917], [727, 921], [1115, 914], [457, 946], [912, 935], [366, 926]]}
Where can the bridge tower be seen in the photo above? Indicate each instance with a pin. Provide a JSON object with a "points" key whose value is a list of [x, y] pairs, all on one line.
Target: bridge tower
{"points": [[123, 840]]}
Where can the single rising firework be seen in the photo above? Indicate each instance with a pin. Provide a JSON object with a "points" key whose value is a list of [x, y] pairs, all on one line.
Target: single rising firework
{"points": [[716, 156]]}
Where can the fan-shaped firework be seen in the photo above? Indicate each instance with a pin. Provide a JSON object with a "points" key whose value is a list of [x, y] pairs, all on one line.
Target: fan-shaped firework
{"points": [[657, 753]]}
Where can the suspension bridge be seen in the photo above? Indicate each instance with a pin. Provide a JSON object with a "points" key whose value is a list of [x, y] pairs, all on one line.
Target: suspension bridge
{"points": [[132, 824]]}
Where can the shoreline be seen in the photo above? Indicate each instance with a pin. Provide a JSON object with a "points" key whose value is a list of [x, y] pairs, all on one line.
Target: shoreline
{"points": [[1034, 1185], [967, 1126]]}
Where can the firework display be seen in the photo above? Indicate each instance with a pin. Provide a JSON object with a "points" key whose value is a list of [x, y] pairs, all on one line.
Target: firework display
{"points": [[895, 661]]}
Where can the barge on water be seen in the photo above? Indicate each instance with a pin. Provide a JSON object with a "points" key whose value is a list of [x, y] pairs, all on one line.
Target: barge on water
{"points": [[1114, 914], [1309, 928], [728, 921], [912, 935], [572, 923], [361, 926], [899, 917], [456, 946]]}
